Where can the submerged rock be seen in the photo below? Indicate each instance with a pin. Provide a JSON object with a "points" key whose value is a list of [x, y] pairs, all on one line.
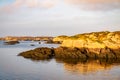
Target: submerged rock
{"points": [[32, 45]]}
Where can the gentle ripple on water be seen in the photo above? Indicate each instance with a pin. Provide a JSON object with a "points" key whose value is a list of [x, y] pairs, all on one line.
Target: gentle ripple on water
{"points": [[13, 67]]}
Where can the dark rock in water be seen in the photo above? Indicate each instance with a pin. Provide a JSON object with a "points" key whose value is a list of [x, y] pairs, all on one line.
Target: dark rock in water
{"points": [[38, 53], [63, 52], [32, 45], [39, 42], [82, 53], [11, 42], [70, 53]]}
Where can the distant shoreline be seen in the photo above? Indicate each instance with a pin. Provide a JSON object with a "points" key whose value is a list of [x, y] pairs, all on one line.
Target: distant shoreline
{"points": [[26, 38]]}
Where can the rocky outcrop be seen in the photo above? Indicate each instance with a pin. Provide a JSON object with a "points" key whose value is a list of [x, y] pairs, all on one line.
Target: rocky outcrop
{"points": [[2, 38], [71, 53], [26, 38], [83, 53], [38, 53], [95, 45], [94, 40], [11, 42]]}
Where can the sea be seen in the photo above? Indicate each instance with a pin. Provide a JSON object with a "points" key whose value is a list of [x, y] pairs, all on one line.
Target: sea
{"points": [[13, 67]]}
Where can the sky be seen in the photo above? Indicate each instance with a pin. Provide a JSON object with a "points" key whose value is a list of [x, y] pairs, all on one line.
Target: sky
{"points": [[58, 17]]}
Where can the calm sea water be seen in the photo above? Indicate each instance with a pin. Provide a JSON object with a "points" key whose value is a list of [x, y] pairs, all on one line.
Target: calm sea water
{"points": [[13, 67]]}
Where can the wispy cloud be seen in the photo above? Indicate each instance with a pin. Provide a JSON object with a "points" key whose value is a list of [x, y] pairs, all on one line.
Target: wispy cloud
{"points": [[46, 4], [95, 4]]}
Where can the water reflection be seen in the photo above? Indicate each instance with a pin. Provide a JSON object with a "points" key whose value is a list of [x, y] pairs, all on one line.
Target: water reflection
{"points": [[81, 66], [13, 67]]}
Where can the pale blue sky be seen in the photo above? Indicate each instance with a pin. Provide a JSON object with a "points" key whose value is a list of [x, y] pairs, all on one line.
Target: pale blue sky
{"points": [[58, 17]]}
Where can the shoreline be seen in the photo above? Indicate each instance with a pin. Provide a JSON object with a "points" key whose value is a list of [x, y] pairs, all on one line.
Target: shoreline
{"points": [[69, 53], [96, 45]]}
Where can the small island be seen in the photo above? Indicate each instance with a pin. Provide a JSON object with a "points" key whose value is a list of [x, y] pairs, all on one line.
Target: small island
{"points": [[94, 45]]}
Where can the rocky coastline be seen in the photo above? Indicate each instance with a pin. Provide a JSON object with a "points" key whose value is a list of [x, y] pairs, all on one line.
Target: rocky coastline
{"points": [[70, 53], [95, 45], [27, 38], [12, 40]]}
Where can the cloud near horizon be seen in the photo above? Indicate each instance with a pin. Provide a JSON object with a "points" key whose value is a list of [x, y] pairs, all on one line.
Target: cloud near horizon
{"points": [[95, 4]]}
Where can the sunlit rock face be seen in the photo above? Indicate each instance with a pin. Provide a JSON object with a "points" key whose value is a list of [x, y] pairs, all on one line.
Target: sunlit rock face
{"points": [[82, 43], [60, 38], [94, 40]]}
